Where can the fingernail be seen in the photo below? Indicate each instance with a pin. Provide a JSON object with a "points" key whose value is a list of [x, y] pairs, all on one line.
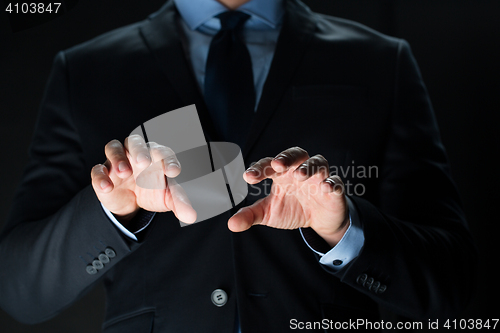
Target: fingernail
{"points": [[122, 166], [302, 170], [173, 166], [251, 171], [104, 184]]}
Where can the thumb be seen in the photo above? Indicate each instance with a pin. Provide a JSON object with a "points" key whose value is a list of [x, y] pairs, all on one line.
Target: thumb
{"points": [[247, 217]]}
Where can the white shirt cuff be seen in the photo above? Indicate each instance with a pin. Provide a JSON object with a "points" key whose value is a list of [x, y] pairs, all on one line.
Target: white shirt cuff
{"points": [[118, 224], [348, 247]]}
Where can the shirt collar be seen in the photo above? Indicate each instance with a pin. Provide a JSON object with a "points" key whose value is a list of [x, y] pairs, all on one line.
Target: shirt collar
{"points": [[197, 12]]}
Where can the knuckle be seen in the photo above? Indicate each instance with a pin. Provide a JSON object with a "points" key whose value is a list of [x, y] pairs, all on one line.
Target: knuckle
{"points": [[320, 158], [95, 177], [135, 140], [135, 137], [266, 161], [320, 162], [287, 155], [139, 147], [263, 162], [171, 159], [296, 153], [336, 179], [166, 153], [114, 148], [113, 144], [300, 150], [96, 169], [130, 141]]}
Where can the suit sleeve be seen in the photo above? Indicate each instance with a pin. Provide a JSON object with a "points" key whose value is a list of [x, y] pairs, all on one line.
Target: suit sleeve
{"points": [[418, 258], [56, 228]]}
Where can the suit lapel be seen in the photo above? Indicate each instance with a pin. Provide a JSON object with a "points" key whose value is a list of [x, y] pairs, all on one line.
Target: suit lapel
{"points": [[161, 35], [298, 26]]}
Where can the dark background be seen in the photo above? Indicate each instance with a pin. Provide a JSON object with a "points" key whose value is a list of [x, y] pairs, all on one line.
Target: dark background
{"points": [[456, 43]]}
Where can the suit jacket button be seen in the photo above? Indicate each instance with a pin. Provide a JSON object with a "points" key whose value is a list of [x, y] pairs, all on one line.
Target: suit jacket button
{"points": [[97, 264], [219, 297], [362, 279], [382, 289], [368, 283], [103, 258], [91, 269], [110, 252]]}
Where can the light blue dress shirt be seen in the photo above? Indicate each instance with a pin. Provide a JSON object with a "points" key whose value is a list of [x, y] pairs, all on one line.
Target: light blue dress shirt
{"points": [[260, 34]]}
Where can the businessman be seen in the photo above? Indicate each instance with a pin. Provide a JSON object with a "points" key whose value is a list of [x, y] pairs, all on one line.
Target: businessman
{"points": [[301, 93]]}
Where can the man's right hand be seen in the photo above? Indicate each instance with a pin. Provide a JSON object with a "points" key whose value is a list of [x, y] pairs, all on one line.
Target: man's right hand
{"points": [[114, 182]]}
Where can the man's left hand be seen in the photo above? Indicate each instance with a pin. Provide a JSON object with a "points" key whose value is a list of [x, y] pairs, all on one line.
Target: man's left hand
{"points": [[302, 195]]}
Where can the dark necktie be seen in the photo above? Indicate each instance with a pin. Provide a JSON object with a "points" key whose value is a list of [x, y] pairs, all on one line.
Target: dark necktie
{"points": [[229, 87]]}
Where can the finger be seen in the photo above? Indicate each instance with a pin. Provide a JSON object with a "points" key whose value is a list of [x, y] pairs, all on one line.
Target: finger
{"points": [[100, 179], [247, 217], [333, 184], [152, 178], [170, 164], [181, 206], [316, 166], [115, 153], [290, 158], [259, 171], [139, 152]]}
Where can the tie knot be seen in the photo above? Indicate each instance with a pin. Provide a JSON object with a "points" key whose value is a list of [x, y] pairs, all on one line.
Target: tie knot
{"points": [[232, 20]]}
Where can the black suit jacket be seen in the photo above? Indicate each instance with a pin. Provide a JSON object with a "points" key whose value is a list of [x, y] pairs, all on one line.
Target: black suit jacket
{"points": [[336, 88]]}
